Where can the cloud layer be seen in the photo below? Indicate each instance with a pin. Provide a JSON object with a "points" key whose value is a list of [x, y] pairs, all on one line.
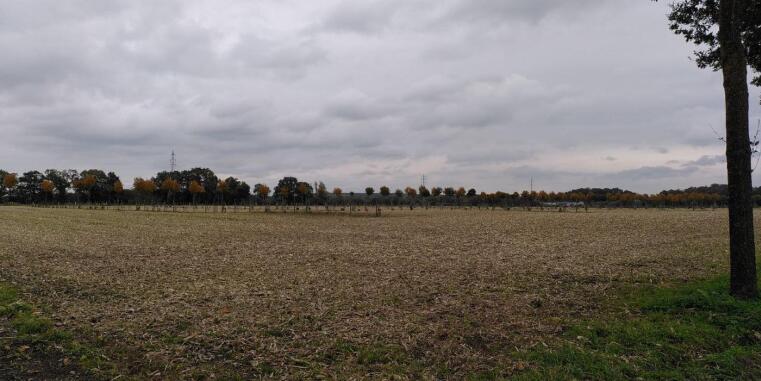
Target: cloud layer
{"points": [[485, 94]]}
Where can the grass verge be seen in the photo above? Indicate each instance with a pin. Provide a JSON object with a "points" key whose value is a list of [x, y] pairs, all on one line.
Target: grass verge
{"points": [[693, 332], [31, 346]]}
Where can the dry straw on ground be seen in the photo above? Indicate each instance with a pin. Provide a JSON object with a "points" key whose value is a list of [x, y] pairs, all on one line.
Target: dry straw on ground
{"points": [[416, 294]]}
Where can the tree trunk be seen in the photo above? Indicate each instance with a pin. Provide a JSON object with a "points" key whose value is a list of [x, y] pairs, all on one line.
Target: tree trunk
{"points": [[743, 282]]}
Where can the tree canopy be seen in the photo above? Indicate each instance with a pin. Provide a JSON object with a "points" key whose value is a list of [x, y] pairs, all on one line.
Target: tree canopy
{"points": [[697, 21]]}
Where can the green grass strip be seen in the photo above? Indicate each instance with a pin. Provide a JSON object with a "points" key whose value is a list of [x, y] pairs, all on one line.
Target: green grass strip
{"points": [[692, 332], [39, 334]]}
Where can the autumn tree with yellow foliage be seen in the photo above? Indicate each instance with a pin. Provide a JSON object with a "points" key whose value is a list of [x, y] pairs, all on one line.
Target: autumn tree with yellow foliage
{"points": [[170, 186], [221, 189], [118, 189], [47, 188], [87, 184], [263, 191], [195, 188], [9, 182], [145, 188]]}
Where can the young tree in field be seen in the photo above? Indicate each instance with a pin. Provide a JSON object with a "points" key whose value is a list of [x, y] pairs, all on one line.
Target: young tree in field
{"points": [[88, 184], [411, 195], [515, 196], [9, 182], [263, 191], [242, 193], [369, 191], [338, 192], [471, 196], [449, 192], [304, 190], [526, 198], [195, 188], [47, 188], [288, 183], [137, 184], [118, 188], [235, 191], [28, 187], [424, 193], [149, 188], [284, 193], [2, 188], [96, 184], [60, 181], [108, 186], [145, 188], [398, 193], [203, 176], [70, 176], [322, 192], [436, 193], [730, 33], [221, 190], [76, 183], [171, 187], [460, 193], [385, 192]]}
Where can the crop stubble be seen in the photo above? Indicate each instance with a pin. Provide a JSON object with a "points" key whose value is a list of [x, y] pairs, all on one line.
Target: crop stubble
{"points": [[420, 293]]}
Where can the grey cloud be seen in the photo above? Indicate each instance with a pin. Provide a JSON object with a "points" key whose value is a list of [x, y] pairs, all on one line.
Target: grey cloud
{"points": [[232, 109], [370, 16], [256, 53], [658, 172], [706, 161], [637, 179], [505, 11], [487, 154], [355, 105], [358, 92], [375, 16], [22, 16]]}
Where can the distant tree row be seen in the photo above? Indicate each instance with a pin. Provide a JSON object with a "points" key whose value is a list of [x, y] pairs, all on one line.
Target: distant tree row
{"points": [[202, 186], [92, 185]]}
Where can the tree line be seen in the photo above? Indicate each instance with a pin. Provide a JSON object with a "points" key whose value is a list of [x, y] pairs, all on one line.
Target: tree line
{"points": [[203, 186]]}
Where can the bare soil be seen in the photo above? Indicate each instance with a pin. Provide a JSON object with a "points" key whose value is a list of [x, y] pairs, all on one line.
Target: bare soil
{"points": [[412, 294]]}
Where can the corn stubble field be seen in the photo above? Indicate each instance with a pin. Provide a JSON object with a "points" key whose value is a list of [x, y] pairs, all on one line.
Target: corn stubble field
{"points": [[415, 294]]}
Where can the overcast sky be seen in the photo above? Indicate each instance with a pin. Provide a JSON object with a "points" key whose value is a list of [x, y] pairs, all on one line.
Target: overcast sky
{"points": [[482, 93]]}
